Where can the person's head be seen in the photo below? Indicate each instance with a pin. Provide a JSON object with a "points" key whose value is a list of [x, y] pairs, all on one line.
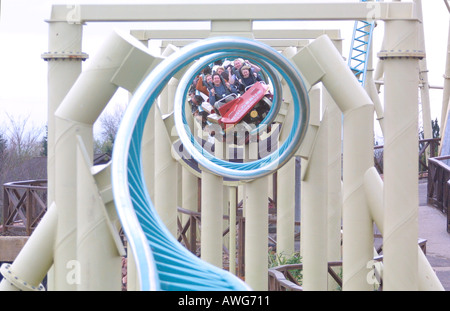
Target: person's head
{"points": [[216, 79], [225, 75], [197, 99], [220, 69], [207, 70], [238, 62], [227, 64], [245, 71], [209, 78]]}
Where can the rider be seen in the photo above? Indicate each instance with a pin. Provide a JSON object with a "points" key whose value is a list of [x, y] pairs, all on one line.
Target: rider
{"points": [[199, 114], [238, 63], [247, 78], [220, 89]]}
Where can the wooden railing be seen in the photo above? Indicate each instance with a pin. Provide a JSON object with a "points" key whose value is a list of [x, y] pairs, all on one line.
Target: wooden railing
{"points": [[428, 148], [438, 187], [187, 235], [24, 204], [281, 278]]}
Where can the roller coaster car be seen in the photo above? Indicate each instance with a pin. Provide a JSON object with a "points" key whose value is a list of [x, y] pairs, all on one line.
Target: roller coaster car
{"points": [[207, 107], [250, 108], [234, 111]]}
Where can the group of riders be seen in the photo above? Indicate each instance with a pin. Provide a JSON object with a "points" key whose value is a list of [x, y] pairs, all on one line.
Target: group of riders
{"points": [[221, 82]]}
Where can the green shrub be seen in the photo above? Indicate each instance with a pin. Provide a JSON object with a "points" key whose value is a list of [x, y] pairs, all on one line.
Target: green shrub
{"points": [[281, 259]]}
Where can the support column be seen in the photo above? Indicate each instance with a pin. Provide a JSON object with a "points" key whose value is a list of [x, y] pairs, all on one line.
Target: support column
{"points": [[256, 234], [334, 178], [321, 61], [64, 39], [148, 148], [445, 113], [64, 66], [212, 218], [314, 212], [400, 155], [423, 76], [233, 209], [428, 281], [67, 267], [226, 222], [165, 195], [165, 166], [334, 174], [99, 247], [285, 188], [189, 193], [148, 152], [286, 209], [74, 121], [372, 89]]}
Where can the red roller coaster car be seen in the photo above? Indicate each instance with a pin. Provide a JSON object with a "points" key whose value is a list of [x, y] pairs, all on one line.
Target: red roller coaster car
{"points": [[234, 111], [246, 107]]}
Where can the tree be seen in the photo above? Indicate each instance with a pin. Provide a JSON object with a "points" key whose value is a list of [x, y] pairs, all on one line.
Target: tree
{"points": [[435, 128], [23, 137], [19, 143], [3, 143], [3, 146], [109, 122], [44, 143]]}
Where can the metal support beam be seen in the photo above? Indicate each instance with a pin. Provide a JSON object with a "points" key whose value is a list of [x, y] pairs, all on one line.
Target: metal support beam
{"points": [[248, 10], [259, 34]]}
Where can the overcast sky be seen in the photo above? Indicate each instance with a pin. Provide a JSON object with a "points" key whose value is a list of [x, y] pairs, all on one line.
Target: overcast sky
{"points": [[23, 38]]}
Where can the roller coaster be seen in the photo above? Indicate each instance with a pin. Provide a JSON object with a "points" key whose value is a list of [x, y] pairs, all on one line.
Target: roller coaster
{"points": [[78, 239]]}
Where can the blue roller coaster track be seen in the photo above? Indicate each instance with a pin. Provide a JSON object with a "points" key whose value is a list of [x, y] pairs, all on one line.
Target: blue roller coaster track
{"points": [[360, 48], [162, 262]]}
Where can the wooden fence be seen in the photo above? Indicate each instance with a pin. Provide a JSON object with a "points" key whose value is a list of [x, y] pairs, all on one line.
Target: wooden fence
{"points": [[189, 225], [428, 148], [24, 204], [281, 278], [438, 187]]}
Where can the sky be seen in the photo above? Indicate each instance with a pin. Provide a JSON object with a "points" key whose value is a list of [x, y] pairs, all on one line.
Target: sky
{"points": [[23, 39]]}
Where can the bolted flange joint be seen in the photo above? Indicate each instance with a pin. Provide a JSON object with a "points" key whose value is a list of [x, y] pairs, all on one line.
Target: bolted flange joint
{"points": [[49, 56], [390, 54], [22, 285]]}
